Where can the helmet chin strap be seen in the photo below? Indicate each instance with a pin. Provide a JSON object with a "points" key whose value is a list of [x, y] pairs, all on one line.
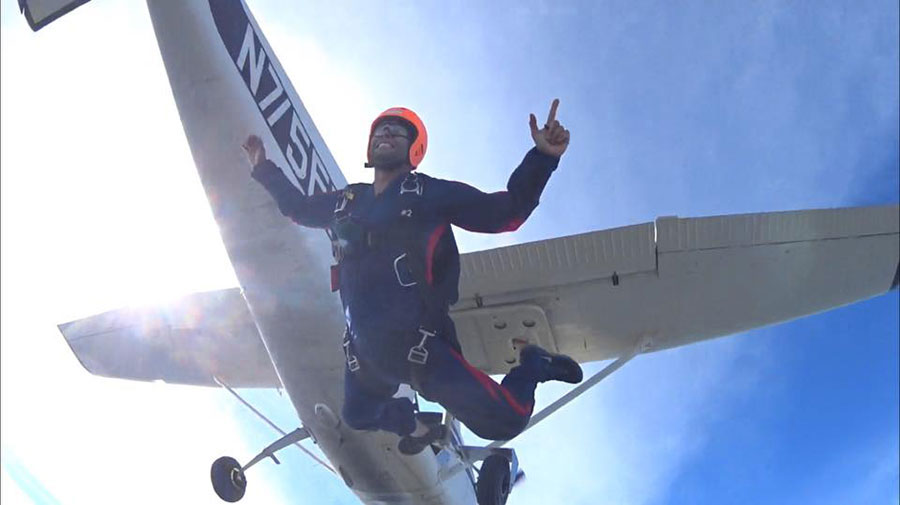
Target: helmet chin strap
{"points": [[389, 168]]}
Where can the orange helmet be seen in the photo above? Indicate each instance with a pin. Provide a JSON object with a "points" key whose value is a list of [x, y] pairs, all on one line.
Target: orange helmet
{"points": [[417, 144]]}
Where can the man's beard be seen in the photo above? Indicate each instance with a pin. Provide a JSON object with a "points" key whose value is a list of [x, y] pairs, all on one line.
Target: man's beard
{"points": [[390, 164], [391, 167]]}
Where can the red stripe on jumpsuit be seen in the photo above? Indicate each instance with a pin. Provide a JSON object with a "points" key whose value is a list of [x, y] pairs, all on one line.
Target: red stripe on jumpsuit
{"points": [[513, 224], [492, 387], [433, 240]]}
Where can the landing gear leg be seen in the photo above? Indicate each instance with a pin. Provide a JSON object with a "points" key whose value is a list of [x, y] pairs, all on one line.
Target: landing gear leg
{"points": [[228, 477]]}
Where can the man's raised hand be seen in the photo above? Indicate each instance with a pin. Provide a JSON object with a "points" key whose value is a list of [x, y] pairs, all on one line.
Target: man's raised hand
{"points": [[256, 151], [552, 139]]}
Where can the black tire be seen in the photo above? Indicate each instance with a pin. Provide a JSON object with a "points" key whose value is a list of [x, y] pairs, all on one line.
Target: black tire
{"points": [[228, 480], [493, 481]]}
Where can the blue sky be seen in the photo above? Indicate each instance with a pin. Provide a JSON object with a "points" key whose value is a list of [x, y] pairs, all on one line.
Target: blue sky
{"points": [[690, 109]]}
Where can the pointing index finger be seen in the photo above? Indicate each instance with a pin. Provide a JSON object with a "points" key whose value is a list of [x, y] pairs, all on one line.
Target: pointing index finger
{"points": [[552, 116]]}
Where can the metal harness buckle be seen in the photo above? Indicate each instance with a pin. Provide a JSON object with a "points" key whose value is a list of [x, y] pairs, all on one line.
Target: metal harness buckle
{"points": [[352, 361], [341, 205], [397, 272], [346, 196], [418, 354], [337, 252], [411, 184]]}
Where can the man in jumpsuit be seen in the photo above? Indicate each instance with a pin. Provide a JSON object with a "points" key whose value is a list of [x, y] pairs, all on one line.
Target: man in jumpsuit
{"points": [[398, 273]]}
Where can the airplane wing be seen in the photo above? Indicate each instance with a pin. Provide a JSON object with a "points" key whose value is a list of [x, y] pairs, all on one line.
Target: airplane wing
{"points": [[189, 341], [593, 296], [671, 282]]}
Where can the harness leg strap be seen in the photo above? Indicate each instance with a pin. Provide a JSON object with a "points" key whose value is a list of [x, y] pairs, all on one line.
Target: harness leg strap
{"points": [[418, 354]]}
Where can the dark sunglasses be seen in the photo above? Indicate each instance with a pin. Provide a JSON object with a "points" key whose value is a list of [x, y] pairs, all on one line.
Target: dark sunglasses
{"points": [[390, 130]]}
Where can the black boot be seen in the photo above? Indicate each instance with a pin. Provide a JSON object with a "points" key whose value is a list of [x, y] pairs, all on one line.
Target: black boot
{"points": [[551, 367], [410, 445]]}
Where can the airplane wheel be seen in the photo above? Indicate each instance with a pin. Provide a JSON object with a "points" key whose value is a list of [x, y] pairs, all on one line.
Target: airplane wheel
{"points": [[493, 481], [227, 479]]}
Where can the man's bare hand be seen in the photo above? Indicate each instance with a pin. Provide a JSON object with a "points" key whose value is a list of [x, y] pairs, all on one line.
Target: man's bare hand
{"points": [[552, 139], [256, 151]]}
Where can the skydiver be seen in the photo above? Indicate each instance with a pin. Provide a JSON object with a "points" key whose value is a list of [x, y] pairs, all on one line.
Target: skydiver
{"points": [[398, 273]]}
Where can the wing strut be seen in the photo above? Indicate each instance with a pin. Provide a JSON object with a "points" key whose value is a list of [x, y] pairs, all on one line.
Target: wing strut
{"points": [[276, 428], [577, 391]]}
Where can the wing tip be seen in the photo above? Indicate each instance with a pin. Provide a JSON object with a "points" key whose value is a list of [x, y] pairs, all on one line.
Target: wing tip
{"points": [[62, 327]]}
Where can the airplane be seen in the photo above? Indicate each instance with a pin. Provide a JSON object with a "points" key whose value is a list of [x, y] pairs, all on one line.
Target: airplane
{"points": [[687, 276]]}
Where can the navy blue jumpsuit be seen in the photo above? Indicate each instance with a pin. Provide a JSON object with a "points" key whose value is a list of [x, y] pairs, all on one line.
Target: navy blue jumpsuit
{"points": [[388, 314]]}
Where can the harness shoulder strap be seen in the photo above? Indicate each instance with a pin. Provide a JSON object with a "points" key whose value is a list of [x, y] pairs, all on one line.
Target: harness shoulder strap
{"points": [[339, 226], [348, 194], [414, 244]]}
